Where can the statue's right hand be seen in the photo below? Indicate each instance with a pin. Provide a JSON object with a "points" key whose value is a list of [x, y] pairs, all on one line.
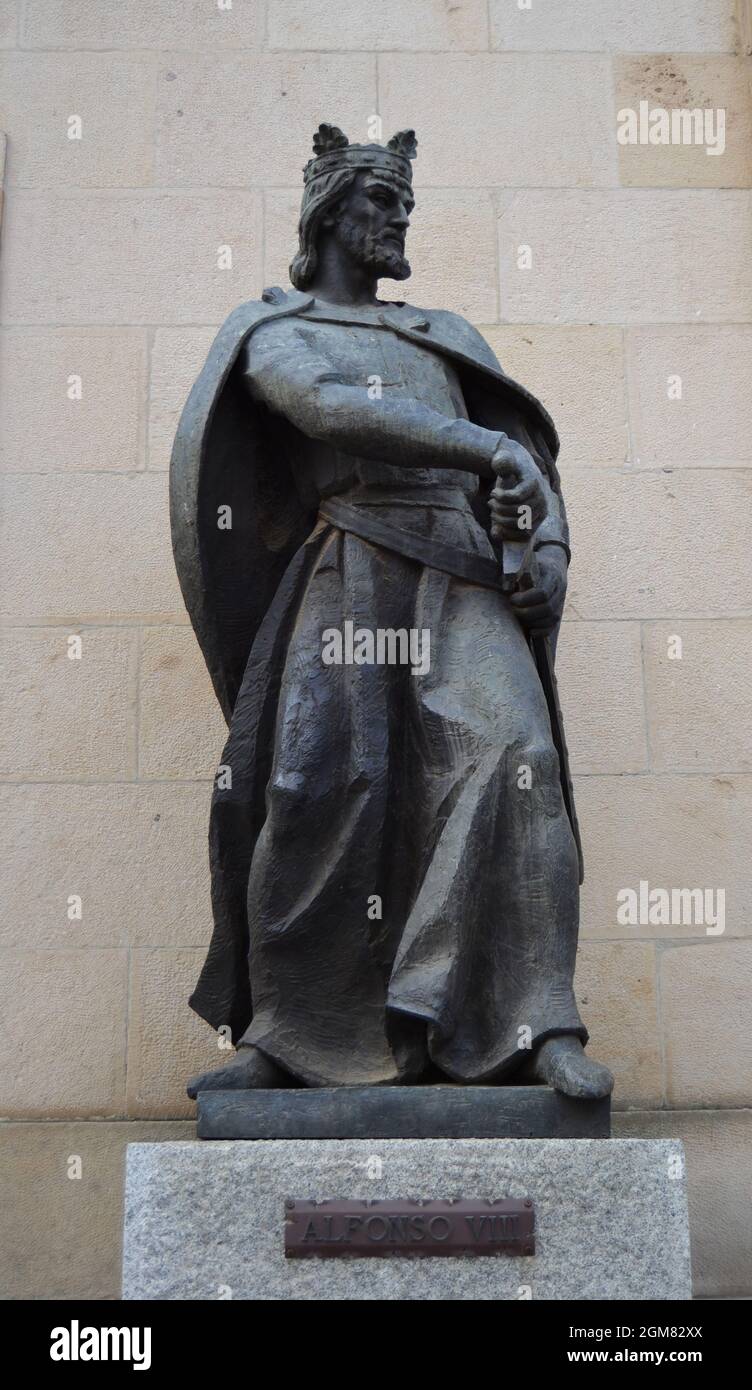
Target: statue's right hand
{"points": [[518, 502]]}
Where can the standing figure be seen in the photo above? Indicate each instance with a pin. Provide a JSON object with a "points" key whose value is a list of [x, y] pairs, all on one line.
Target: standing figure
{"points": [[372, 544]]}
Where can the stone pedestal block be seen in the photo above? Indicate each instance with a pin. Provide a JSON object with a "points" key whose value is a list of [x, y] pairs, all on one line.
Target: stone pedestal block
{"points": [[207, 1221], [402, 1112]]}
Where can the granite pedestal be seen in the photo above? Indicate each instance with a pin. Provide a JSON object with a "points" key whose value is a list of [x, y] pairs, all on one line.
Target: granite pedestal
{"points": [[206, 1221]]}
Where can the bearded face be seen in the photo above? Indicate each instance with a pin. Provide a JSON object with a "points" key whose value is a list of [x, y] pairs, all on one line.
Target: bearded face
{"points": [[380, 252], [371, 224]]}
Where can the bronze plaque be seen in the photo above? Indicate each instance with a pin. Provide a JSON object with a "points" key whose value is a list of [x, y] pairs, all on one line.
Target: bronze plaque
{"points": [[400, 1227]]}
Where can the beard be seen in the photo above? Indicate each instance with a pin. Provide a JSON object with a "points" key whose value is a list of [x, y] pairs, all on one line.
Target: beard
{"points": [[381, 254]]}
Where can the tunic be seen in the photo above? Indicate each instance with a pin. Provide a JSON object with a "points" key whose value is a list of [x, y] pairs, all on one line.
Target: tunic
{"points": [[413, 884]]}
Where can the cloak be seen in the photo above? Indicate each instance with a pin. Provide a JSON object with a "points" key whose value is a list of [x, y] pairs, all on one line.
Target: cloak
{"points": [[237, 525]]}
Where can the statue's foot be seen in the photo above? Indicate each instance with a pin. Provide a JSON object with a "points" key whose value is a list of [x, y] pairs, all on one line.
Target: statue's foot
{"points": [[248, 1070], [561, 1062]]}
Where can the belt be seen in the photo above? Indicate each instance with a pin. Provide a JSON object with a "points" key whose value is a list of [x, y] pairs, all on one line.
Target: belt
{"points": [[478, 569]]}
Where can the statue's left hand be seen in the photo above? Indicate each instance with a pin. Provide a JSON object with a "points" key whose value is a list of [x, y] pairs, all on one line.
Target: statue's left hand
{"points": [[541, 607]]}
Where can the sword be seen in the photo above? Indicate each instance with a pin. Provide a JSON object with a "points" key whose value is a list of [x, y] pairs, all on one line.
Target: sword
{"points": [[520, 571]]}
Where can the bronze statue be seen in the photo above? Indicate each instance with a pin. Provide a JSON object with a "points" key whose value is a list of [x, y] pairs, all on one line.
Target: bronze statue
{"points": [[372, 544]]}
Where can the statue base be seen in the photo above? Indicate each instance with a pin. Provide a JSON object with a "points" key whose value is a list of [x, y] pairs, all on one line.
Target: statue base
{"points": [[402, 1112], [207, 1221]]}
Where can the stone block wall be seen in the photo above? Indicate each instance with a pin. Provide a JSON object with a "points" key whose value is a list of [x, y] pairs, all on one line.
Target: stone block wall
{"points": [[614, 280]]}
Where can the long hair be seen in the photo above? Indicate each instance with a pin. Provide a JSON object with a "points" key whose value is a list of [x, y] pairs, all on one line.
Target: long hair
{"points": [[319, 197]]}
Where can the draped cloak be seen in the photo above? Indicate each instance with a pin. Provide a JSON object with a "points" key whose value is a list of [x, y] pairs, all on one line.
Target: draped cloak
{"points": [[242, 584]]}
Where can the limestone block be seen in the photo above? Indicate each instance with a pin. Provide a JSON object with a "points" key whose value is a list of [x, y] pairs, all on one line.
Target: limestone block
{"points": [[108, 145], [392, 25], [681, 26], [177, 356], [578, 374], [681, 82], [698, 705], [135, 855], [62, 1032], [61, 1233], [599, 671], [151, 257], [70, 399], [645, 545], [626, 256], [159, 24], [167, 1041], [690, 403], [181, 730], [9, 19], [270, 107], [485, 135], [671, 833], [81, 548], [705, 1015], [615, 990], [68, 719]]}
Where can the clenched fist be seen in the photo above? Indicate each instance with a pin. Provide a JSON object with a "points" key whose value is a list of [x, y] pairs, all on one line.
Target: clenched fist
{"points": [[539, 606], [518, 501]]}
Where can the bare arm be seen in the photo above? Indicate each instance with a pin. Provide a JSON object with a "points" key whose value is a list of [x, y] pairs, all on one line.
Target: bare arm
{"points": [[284, 369]]}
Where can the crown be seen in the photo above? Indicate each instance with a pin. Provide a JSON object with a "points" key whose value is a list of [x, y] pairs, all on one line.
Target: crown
{"points": [[332, 150]]}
